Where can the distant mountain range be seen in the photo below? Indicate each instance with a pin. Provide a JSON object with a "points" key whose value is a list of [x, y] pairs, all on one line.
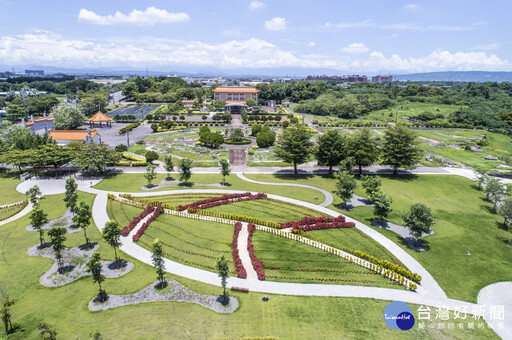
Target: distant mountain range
{"points": [[290, 72], [474, 76]]}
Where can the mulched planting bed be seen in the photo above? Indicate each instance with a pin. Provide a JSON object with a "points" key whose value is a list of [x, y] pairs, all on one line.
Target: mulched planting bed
{"points": [[174, 291], [64, 221], [74, 261]]}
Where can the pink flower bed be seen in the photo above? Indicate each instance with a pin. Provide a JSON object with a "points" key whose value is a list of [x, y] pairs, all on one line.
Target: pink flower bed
{"points": [[146, 224], [126, 230], [318, 223], [256, 264], [224, 199], [239, 268]]}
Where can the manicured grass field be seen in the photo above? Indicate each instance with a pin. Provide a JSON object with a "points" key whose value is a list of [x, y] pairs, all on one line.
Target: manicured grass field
{"points": [[473, 159], [8, 183], [285, 317], [134, 182], [464, 222], [290, 261]]}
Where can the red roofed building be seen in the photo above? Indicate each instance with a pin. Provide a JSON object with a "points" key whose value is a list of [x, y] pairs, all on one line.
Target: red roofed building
{"points": [[100, 118], [235, 97], [63, 137], [188, 103]]}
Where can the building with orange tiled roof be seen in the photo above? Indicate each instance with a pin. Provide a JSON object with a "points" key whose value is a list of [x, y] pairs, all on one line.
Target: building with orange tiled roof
{"points": [[44, 123], [235, 94], [63, 137], [188, 103], [100, 118]]}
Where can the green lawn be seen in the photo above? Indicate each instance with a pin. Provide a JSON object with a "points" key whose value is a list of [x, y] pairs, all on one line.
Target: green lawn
{"points": [[285, 317], [7, 212], [408, 110], [8, 184], [473, 159], [464, 222], [133, 183]]}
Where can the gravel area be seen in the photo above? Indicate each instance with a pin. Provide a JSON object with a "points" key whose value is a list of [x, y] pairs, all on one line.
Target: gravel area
{"points": [[173, 292], [412, 242], [74, 261], [63, 221]]}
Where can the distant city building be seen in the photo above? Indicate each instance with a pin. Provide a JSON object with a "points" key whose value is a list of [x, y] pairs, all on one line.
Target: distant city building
{"points": [[34, 72], [63, 137], [235, 94], [344, 79], [45, 123], [381, 79]]}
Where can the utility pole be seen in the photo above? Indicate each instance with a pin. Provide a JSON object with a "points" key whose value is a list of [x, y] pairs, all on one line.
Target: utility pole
{"points": [[127, 138]]}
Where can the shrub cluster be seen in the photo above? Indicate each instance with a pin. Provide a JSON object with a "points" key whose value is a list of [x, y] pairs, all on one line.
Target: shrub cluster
{"points": [[224, 199], [256, 264], [126, 230], [317, 223], [129, 128], [239, 268], [146, 224], [14, 209]]}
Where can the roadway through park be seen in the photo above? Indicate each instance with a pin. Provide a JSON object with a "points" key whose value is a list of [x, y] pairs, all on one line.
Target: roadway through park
{"points": [[429, 293]]}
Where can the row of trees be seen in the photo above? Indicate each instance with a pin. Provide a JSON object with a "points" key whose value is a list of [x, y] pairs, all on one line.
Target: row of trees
{"points": [[397, 149]]}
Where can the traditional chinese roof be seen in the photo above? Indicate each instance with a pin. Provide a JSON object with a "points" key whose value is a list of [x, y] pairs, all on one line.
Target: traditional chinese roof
{"points": [[236, 90], [72, 135], [38, 120], [188, 101], [100, 117]]}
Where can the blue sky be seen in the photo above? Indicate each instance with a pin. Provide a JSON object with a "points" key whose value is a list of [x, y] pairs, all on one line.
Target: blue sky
{"points": [[352, 36]]}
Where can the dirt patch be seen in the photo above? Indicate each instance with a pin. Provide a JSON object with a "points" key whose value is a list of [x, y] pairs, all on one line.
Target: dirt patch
{"points": [[173, 291], [237, 157]]}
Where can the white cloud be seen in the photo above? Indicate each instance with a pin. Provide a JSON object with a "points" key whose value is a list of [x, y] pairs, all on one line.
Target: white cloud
{"points": [[311, 43], [47, 48], [342, 25], [412, 7], [254, 5], [149, 17], [486, 47], [276, 24], [355, 48]]}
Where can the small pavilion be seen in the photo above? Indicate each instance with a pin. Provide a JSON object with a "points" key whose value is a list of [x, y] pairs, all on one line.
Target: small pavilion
{"points": [[101, 119]]}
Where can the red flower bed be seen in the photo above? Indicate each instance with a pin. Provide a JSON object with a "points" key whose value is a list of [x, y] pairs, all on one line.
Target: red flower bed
{"points": [[126, 230], [146, 224], [318, 223], [224, 199], [239, 268], [256, 264]]}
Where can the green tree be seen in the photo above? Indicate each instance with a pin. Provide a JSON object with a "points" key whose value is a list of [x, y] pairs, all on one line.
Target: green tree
{"points": [[348, 164], [482, 178], [67, 117], [112, 235], [223, 271], [505, 211], [184, 167], [71, 195], [82, 218], [399, 148], [331, 149], [345, 185], [371, 184], [46, 332], [157, 257], [34, 194], [151, 156], [251, 102], [295, 145], [204, 132], [363, 147], [215, 139], [94, 267], [57, 238], [5, 312], [150, 173], [168, 165], [419, 219], [382, 204], [495, 191], [236, 135], [255, 129], [219, 104], [94, 157], [224, 169], [121, 148], [38, 218]]}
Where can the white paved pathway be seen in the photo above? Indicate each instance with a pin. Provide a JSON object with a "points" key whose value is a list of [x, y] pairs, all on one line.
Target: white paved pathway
{"points": [[244, 253], [328, 195], [22, 213]]}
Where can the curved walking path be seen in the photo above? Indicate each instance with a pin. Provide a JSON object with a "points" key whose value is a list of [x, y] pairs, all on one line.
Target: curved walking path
{"points": [[328, 196], [22, 213]]}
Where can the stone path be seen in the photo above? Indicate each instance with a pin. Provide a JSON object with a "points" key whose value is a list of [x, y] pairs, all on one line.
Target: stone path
{"points": [[244, 253], [498, 296], [402, 231], [328, 197], [356, 201], [139, 225]]}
